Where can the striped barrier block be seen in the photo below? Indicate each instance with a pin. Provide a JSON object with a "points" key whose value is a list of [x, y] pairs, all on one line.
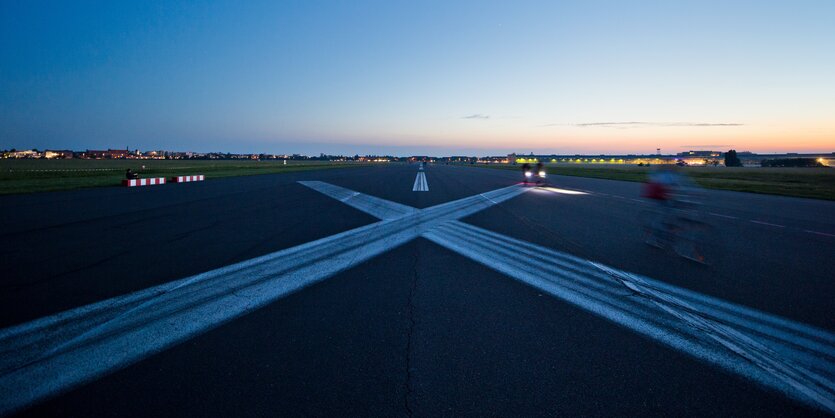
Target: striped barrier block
{"points": [[143, 182], [186, 179]]}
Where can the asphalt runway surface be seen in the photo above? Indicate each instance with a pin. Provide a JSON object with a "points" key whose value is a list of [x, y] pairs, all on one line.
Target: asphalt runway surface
{"points": [[374, 292]]}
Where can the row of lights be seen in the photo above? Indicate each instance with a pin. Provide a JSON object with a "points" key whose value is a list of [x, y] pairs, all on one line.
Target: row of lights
{"points": [[578, 160]]}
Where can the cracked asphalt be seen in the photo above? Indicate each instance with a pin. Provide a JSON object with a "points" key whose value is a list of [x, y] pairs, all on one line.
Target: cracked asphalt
{"points": [[417, 331]]}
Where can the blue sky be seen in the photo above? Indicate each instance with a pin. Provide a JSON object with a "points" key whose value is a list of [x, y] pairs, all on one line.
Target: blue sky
{"points": [[418, 77]]}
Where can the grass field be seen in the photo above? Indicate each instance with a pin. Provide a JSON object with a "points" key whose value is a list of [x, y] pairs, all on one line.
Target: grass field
{"points": [[817, 183], [27, 176]]}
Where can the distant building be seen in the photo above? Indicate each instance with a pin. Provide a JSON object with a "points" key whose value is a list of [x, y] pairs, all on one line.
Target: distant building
{"points": [[494, 160], [459, 159], [66, 154], [109, 154], [703, 154], [25, 154], [153, 155]]}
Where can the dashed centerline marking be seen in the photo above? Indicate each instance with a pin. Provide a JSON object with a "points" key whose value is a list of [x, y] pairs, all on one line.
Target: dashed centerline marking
{"points": [[719, 215], [767, 223], [421, 185], [722, 216], [819, 233]]}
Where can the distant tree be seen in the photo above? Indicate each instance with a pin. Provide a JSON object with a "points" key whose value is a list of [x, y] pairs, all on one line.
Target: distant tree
{"points": [[731, 160]]}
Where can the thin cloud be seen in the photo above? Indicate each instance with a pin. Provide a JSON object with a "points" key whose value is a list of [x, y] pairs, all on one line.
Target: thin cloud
{"points": [[706, 146], [612, 124], [633, 124], [707, 124], [476, 116]]}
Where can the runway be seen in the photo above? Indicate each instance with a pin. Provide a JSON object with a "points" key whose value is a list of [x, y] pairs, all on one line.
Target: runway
{"points": [[350, 292]]}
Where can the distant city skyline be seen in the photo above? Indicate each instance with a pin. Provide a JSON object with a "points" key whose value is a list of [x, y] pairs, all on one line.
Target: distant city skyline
{"points": [[425, 78]]}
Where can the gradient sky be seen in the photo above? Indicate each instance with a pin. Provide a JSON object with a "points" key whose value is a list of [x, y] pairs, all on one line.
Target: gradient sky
{"points": [[446, 77]]}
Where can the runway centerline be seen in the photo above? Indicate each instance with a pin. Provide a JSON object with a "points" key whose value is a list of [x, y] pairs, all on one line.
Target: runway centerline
{"points": [[420, 183]]}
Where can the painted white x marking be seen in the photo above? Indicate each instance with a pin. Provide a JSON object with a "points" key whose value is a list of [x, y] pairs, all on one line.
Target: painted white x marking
{"points": [[52, 354], [58, 352], [794, 358]]}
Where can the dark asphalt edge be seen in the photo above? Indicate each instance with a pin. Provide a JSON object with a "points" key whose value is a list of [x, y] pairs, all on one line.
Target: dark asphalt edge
{"points": [[707, 187]]}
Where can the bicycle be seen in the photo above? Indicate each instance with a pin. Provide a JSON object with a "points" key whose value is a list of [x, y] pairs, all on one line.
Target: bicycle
{"points": [[680, 227]]}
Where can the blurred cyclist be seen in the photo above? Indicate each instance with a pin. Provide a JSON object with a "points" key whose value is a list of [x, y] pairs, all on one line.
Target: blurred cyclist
{"points": [[678, 222], [663, 186]]}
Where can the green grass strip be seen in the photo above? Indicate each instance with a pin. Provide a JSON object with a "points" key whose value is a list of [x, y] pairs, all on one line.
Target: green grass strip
{"points": [[30, 176]]}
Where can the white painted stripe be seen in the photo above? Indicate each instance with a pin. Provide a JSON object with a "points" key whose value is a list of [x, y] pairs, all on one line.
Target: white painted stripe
{"points": [[379, 208], [208, 301], [722, 216], [488, 199], [420, 183], [766, 325], [767, 223], [50, 355], [819, 233], [739, 342], [788, 358]]}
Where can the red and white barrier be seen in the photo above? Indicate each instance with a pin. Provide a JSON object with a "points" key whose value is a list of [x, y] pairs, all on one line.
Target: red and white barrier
{"points": [[186, 179], [143, 182]]}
